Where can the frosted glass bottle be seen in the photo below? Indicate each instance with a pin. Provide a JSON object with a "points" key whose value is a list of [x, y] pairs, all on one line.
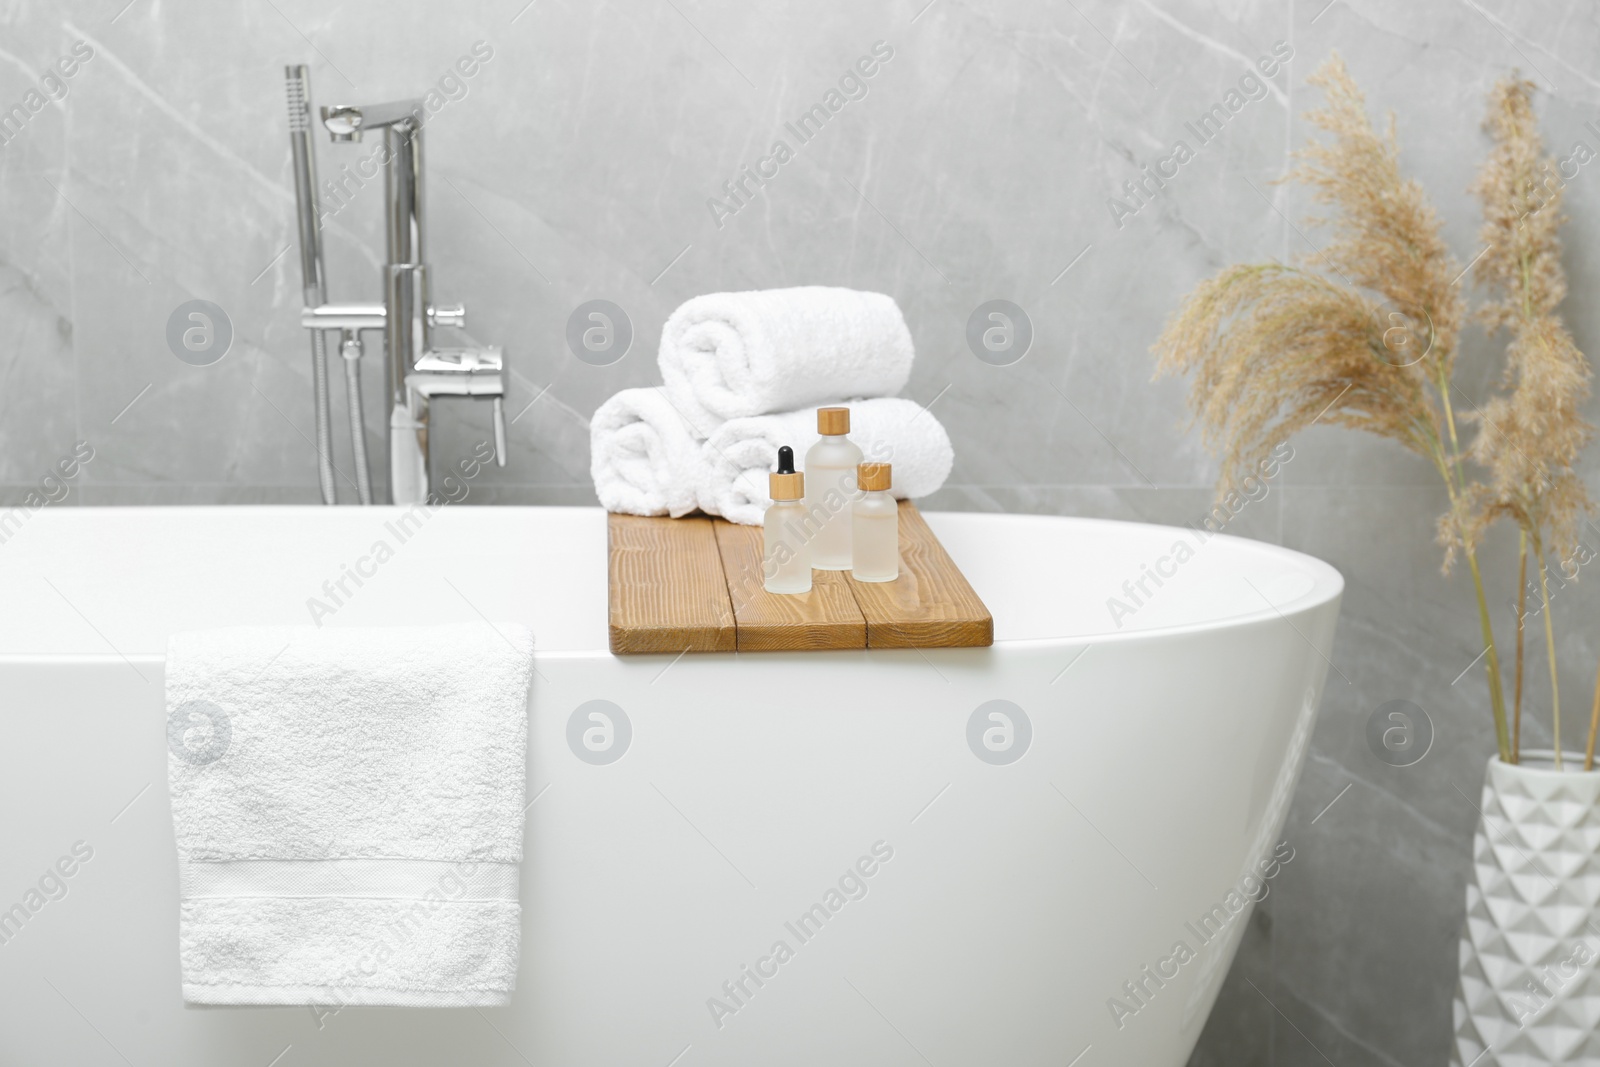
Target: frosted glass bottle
{"points": [[786, 550], [875, 527], [830, 490]]}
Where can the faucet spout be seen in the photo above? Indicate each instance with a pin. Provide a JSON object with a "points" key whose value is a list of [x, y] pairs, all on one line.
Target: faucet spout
{"points": [[345, 122]]}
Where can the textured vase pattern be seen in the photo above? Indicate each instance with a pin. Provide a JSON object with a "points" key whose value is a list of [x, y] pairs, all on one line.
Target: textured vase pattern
{"points": [[1529, 991]]}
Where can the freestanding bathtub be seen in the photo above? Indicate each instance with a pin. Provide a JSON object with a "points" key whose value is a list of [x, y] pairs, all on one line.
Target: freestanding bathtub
{"points": [[1035, 828]]}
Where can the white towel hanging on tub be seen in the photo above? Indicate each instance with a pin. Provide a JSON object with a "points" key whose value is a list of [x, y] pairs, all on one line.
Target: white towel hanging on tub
{"points": [[348, 806]]}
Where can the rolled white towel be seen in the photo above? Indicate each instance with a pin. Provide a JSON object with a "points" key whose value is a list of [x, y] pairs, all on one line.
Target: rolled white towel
{"points": [[733, 355], [645, 458], [888, 430]]}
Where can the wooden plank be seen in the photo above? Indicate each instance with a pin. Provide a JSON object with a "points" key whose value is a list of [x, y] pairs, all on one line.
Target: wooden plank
{"points": [[930, 605], [667, 592], [826, 617]]}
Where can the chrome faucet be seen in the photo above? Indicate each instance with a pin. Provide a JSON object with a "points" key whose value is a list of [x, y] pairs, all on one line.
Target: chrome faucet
{"points": [[415, 370]]}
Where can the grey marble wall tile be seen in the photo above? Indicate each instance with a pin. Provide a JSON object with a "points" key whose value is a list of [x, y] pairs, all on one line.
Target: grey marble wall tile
{"points": [[984, 161], [38, 382], [38, 401]]}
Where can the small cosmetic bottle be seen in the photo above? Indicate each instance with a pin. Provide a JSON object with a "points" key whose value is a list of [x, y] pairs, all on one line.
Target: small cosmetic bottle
{"points": [[875, 527], [786, 554], [831, 486]]}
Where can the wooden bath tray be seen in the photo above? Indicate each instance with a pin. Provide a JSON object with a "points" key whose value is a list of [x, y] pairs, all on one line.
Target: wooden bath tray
{"points": [[694, 585]]}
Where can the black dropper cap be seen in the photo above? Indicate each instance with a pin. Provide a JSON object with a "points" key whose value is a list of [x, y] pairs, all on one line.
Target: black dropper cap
{"points": [[784, 483]]}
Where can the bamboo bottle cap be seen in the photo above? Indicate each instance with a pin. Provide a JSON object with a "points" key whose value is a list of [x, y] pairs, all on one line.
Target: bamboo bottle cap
{"points": [[873, 477], [786, 486], [833, 421]]}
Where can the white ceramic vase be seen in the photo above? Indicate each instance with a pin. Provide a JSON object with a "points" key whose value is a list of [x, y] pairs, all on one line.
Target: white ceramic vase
{"points": [[1529, 991]]}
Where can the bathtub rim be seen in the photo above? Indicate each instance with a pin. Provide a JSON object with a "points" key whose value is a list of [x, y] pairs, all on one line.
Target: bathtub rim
{"points": [[1020, 644], [1328, 584]]}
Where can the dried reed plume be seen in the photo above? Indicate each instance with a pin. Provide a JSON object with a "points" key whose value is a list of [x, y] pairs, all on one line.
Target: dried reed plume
{"points": [[1362, 335], [1533, 432]]}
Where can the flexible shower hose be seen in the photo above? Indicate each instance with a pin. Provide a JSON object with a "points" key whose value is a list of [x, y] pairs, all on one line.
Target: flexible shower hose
{"points": [[358, 422]]}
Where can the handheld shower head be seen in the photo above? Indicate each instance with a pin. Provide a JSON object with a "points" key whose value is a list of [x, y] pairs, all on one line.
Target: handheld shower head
{"points": [[297, 90]]}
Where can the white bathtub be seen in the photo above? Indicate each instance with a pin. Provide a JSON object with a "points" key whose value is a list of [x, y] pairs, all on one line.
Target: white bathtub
{"points": [[1018, 900]]}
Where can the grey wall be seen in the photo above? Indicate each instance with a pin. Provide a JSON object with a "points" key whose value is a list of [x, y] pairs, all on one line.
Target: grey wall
{"points": [[978, 166]]}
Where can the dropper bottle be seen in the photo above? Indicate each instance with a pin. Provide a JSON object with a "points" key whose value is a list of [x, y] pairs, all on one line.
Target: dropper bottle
{"points": [[786, 551]]}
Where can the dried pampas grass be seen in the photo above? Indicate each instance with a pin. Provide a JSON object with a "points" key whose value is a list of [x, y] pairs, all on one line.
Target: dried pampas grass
{"points": [[1358, 335], [1532, 433], [1364, 333]]}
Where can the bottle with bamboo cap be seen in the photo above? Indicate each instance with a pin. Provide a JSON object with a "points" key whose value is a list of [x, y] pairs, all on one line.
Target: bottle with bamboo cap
{"points": [[786, 552], [830, 489], [875, 527]]}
